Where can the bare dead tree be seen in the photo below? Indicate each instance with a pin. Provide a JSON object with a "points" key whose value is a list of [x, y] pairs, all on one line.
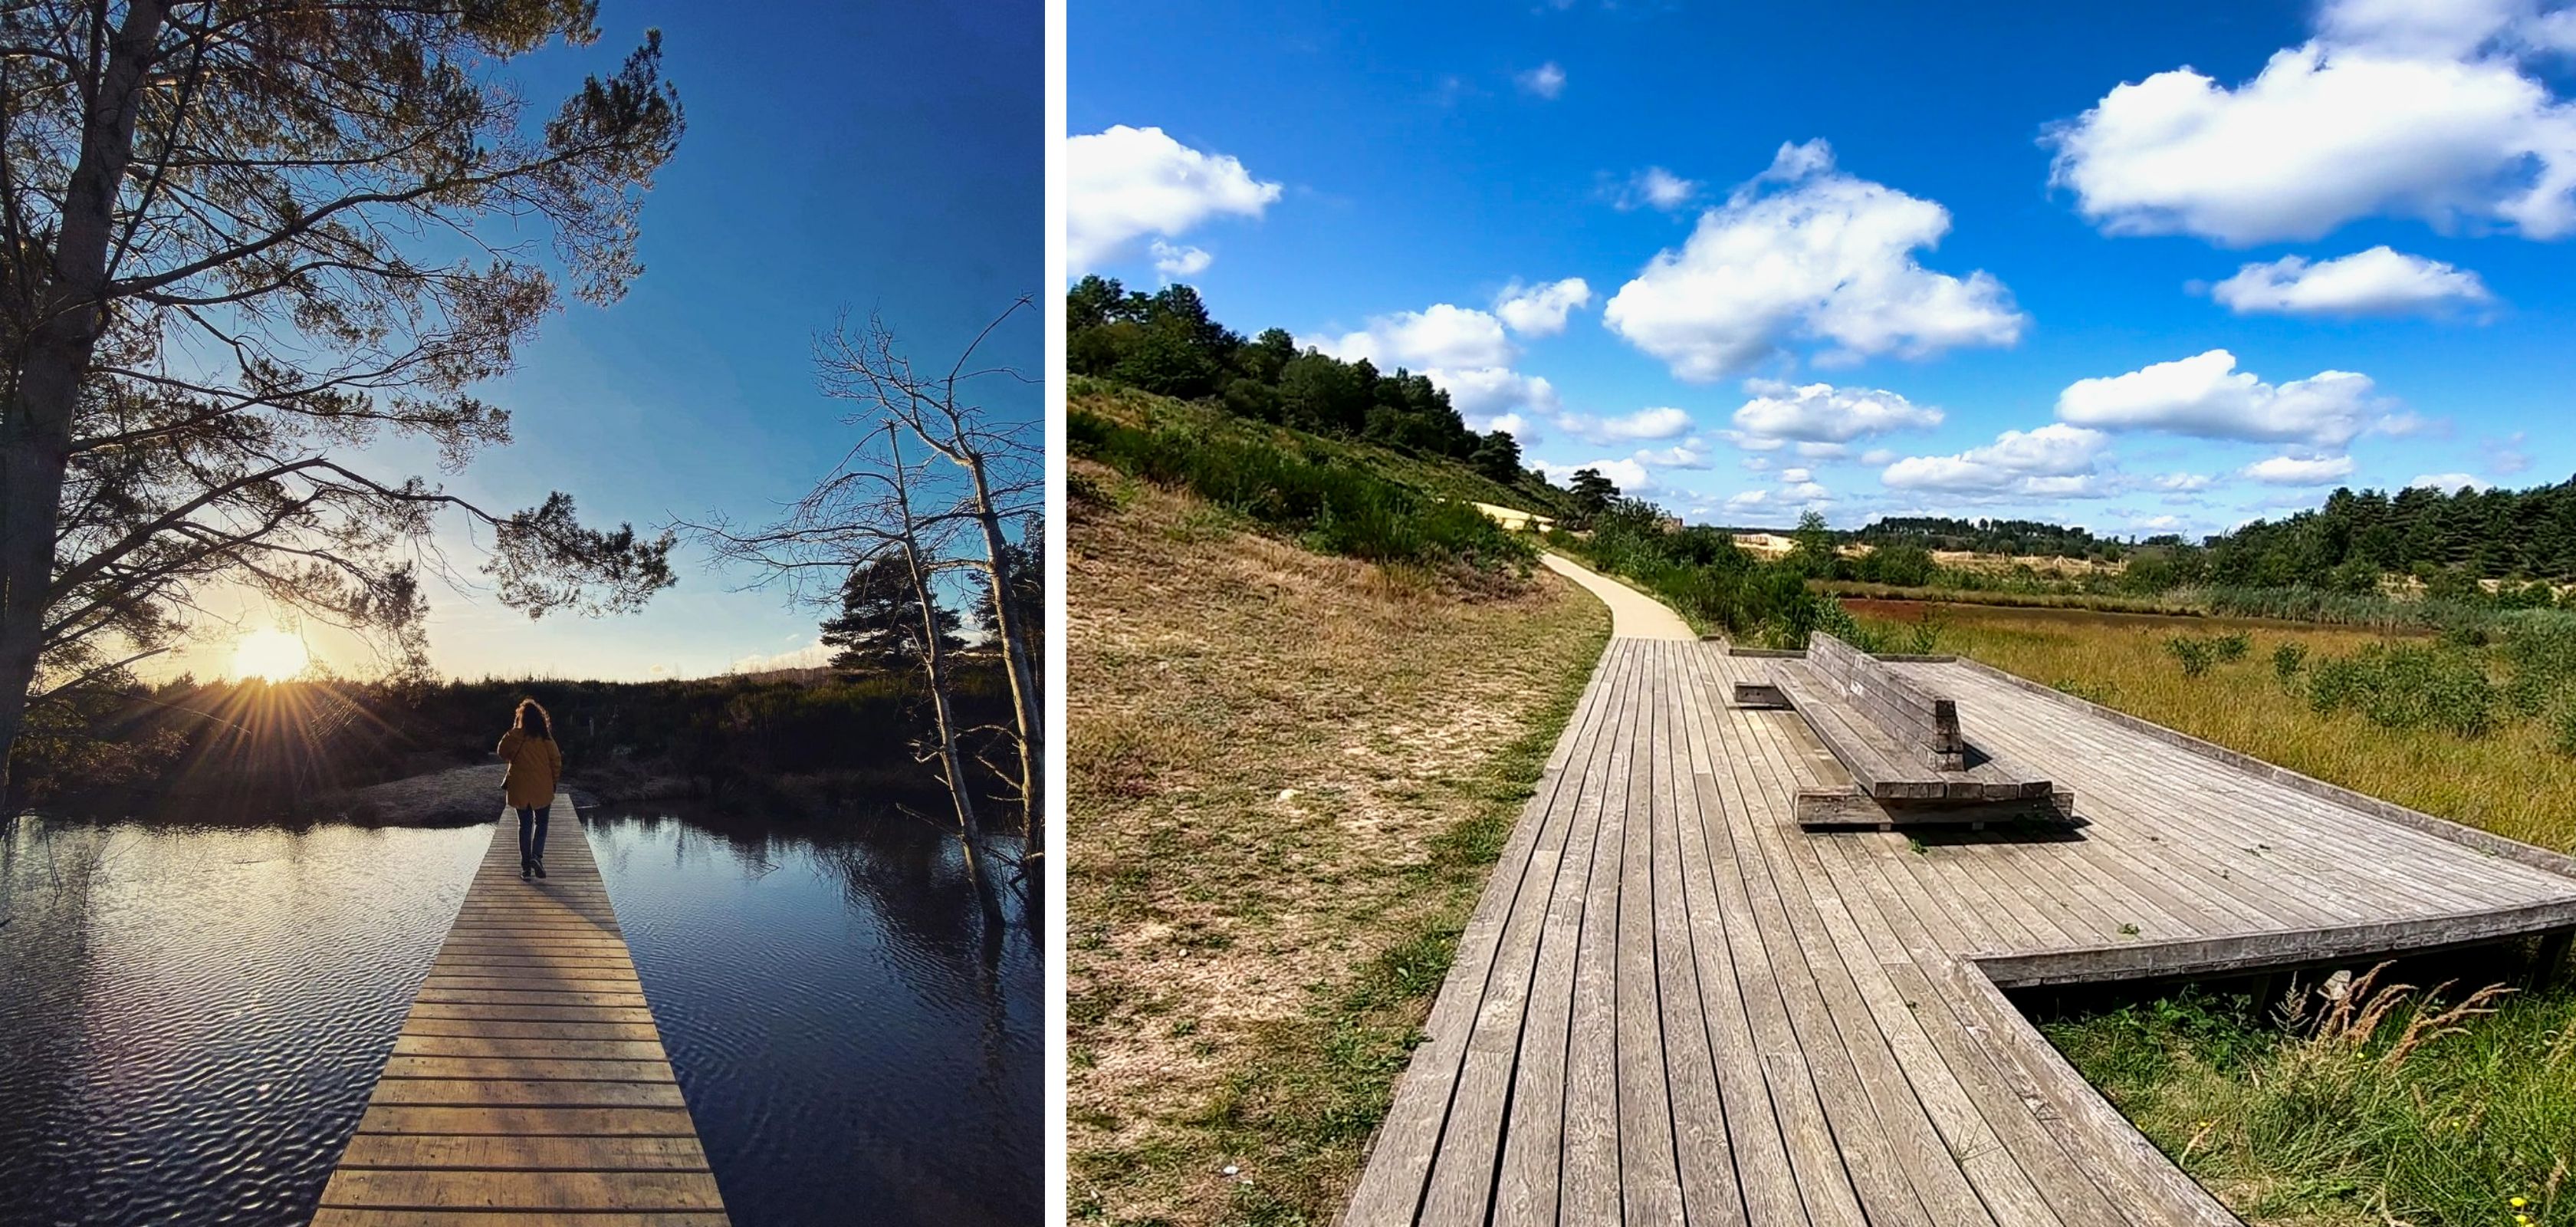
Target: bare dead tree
{"points": [[1003, 464], [241, 239], [868, 512]]}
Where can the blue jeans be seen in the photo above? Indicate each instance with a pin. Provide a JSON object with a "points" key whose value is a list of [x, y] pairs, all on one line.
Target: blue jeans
{"points": [[532, 834]]}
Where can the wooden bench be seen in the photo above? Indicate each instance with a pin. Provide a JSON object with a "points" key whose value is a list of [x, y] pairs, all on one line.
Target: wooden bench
{"points": [[1901, 743]]}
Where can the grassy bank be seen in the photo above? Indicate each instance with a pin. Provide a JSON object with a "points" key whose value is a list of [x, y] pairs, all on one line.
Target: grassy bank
{"points": [[2513, 778], [2385, 1111], [1291, 773], [2390, 1110]]}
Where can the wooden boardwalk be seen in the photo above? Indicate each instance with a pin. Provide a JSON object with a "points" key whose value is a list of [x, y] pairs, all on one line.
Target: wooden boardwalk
{"points": [[529, 1085], [1673, 1004]]}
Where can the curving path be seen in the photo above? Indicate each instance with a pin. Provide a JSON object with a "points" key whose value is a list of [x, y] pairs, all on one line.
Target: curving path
{"points": [[1633, 614]]}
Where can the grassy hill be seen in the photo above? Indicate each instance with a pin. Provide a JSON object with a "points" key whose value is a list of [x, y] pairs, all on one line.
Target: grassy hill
{"points": [[1433, 476], [1290, 772]]}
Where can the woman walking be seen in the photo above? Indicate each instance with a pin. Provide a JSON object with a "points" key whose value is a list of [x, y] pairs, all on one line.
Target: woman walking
{"points": [[536, 762]]}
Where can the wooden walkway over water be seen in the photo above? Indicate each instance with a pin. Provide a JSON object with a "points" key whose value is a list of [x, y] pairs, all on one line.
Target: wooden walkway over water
{"points": [[1674, 1004], [529, 1086]]}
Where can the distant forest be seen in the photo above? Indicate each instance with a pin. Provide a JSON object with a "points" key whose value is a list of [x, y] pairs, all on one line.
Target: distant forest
{"points": [[1165, 342]]}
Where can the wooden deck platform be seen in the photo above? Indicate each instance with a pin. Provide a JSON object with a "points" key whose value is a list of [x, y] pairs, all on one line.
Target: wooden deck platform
{"points": [[1672, 1004], [529, 1085]]}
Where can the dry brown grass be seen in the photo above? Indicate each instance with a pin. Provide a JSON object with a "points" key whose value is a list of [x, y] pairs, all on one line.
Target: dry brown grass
{"points": [[1288, 773]]}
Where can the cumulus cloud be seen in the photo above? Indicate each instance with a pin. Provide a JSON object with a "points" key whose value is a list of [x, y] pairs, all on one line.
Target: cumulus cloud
{"points": [[1805, 251], [1175, 262], [1540, 310], [1823, 413], [1546, 81], [2056, 459], [1497, 398], [2205, 396], [2395, 108], [1126, 183], [1661, 422], [1443, 336], [1657, 188], [2379, 281], [2299, 470], [2449, 483]]}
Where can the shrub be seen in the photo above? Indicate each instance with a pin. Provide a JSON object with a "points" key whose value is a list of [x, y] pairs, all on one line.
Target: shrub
{"points": [[2562, 731], [1337, 508], [2232, 646], [2288, 658], [2195, 653], [2406, 686]]}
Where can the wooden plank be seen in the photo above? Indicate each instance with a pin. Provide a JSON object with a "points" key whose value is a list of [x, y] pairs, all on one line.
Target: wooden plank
{"points": [[474, 1189], [340, 1216], [1649, 1179], [530, 1154], [553, 1093]]}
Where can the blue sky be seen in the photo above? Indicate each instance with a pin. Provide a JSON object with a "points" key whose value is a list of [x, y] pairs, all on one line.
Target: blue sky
{"points": [[876, 157], [2116, 268]]}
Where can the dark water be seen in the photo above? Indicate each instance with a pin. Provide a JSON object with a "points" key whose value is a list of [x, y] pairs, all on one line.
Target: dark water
{"points": [[191, 1017]]}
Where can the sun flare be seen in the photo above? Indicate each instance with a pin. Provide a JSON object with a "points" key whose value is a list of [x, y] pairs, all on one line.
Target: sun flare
{"points": [[272, 655]]}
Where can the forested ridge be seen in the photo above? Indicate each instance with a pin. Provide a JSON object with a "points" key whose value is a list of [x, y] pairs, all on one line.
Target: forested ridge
{"points": [[1167, 343]]}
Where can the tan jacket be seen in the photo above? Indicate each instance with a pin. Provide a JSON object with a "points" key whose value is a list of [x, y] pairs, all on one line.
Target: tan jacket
{"points": [[536, 763]]}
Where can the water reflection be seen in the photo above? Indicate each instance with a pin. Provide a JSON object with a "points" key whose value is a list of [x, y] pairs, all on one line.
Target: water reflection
{"points": [[849, 1028], [191, 1016]]}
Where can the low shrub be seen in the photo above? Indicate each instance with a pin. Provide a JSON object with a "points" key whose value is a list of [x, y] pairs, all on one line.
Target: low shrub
{"points": [[2232, 646], [2288, 659], [1336, 508], [2195, 653], [2408, 686]]}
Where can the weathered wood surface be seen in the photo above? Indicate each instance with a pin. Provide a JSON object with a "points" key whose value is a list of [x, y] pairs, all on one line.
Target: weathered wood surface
{"points": [[1673, 1004], [528, 1085], [1918, 719]]}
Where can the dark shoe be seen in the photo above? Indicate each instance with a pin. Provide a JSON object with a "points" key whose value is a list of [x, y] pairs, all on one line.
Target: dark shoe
{"points": [[524, 867], [541, 869]]}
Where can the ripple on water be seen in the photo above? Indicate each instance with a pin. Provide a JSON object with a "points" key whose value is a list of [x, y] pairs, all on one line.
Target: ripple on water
{"points": [[194, 1015]]}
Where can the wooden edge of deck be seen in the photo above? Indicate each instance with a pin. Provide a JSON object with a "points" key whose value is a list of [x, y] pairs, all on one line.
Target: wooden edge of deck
{"points": [[2208, 956], [2488, 842]]}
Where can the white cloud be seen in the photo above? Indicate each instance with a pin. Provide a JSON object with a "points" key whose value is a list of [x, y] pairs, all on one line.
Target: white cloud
{"points": [[2182, 483], [1540, 310], [1547, 80], [2397, 108], [1486, 395], [1657, 188], [1748, 498], [2157, 523], [1823, 413], [2299, 470], [1444, 336], [1125, 183], [2451, 482], [1661, 422], [814, 655], [1178, 262], [1686, 455], [2379, 281], [1877, 457], [2056, 459], [2205, 396], [1795, 476], [1807, 490], [1822, 255]]}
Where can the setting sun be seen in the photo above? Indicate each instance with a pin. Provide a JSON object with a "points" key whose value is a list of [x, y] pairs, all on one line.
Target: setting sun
{"points": [[273, 655]]}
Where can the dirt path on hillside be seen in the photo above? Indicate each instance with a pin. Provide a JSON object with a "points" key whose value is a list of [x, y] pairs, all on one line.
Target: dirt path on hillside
{"points": [[1633, 614]]}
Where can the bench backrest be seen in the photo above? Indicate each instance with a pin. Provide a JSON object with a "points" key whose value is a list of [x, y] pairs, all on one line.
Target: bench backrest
{"points": [[1913, 716]]}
